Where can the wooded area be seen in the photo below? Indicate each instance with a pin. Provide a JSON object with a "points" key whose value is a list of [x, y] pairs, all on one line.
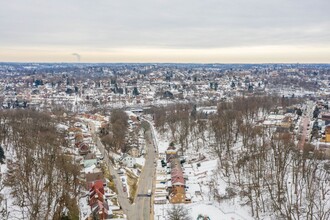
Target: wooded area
{"points": [[43, 180], [261, 165]]}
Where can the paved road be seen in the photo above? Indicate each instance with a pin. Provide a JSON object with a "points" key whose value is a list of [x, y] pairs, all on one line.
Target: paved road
{"points": [[142, 209], [302, 141], [143, 204], [305, 124], [122, 196]]}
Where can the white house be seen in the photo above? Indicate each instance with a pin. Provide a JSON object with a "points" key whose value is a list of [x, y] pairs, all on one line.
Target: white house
{"points": [[128, 161]]}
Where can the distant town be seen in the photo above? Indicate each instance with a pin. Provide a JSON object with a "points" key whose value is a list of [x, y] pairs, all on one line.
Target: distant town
{"points": [[142, 141]]}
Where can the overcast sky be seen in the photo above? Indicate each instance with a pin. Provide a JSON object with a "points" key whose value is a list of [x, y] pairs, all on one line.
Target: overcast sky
{"points": [[222, 31]]}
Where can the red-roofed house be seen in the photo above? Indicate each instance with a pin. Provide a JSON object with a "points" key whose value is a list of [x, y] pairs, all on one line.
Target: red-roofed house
{"points": [[98, 202], [177, 193]]}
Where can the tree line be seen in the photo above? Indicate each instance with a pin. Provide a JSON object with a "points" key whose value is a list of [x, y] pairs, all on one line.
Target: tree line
{"points": [[43, 181], [261, 165]]}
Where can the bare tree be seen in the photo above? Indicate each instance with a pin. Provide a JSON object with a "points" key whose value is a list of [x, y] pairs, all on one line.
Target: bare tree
{"points": [[178, 212], [43, 180], [118, 129]]}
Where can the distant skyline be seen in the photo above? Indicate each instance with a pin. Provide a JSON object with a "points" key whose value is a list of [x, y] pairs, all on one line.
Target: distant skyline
{"points": [[181, 31]]}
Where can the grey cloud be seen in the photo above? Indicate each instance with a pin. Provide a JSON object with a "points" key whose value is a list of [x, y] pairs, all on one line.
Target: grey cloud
{"points": [[163, 23]]}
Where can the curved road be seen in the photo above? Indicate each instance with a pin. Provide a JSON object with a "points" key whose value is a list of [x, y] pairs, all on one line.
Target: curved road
{"points": [[122, 196], [142, 208]]}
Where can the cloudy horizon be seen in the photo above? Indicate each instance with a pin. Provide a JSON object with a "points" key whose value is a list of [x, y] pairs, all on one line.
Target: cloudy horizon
{"points": [[209, 31]]}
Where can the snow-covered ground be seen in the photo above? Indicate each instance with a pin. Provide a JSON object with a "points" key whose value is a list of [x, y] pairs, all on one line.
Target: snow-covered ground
{"points": [[198, 179], [200, 174], [140, 161], [85, 209], [14, 211], [207, 209]]}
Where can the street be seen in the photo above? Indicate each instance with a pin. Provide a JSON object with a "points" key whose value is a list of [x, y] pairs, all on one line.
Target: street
{"points": [[305, 121], [302, 141], [142, 206], [122, 196]]}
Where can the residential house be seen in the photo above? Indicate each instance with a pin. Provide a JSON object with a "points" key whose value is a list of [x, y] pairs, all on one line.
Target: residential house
{"points": [[327, 134], [83, 148], [177, 193], [177, 184], [128, 161], [171, 153], [93, 174], [90, 156], [286, 122], [78, 138], [134, 151], [89, 163], [98, 202], [326, 117]]}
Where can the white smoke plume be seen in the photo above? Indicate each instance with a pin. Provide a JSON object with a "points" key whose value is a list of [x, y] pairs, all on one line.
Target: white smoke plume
{"points": [[77, 56]]}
